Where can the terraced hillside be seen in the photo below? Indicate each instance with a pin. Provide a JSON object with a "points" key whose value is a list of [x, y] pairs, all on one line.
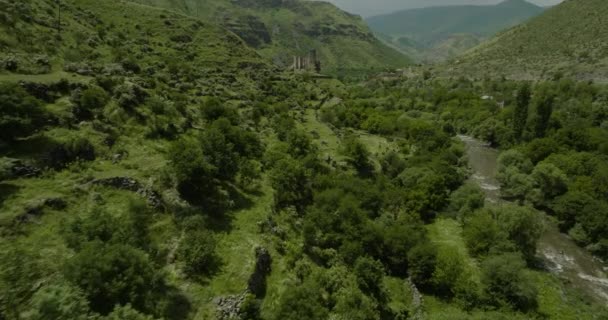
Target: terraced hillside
{"points": [[568, 39]]}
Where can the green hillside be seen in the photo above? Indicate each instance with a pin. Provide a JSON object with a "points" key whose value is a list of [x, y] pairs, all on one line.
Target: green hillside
{"points": [[437, 33], [156, 166], [281, 29], [96, 40], [570, 38]]}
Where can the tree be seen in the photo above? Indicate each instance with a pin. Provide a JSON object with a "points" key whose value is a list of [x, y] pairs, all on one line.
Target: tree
{"points": [[544, 109], [291, 183], [213, 109], [449, 268], [506, 282], [392, 164], [301, 303], [219, 152], [523, 226], [369, 277], [514, 158], [399, 237], [513, 170], [197, 253], [299, 144], [114, 274], [58, 302], [483, 235], [19, 268], [520, 114], [550, 182], [20, 113], [99, 225], [570, 207], [421, 260], [126, 312], [352, 304], [194, 173], [358, 156], [465, 200], [94, 98]]}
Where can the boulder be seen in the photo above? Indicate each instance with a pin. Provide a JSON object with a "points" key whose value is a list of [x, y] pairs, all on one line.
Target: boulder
{"points": [[152, 197]]}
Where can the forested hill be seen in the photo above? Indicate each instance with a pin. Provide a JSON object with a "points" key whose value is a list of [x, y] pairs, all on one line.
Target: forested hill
{"points": [[430, 33], [279, 29], [570, 38]]}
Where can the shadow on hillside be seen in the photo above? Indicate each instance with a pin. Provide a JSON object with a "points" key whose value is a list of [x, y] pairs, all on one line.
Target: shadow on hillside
{"points": [[6, 190], [33, 147], [177, 306], [218, 205]]}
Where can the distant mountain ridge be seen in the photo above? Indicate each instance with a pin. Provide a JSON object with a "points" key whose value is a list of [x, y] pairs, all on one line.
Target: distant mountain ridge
{"points": [[437, 32], [280, 29], [570, 38]]}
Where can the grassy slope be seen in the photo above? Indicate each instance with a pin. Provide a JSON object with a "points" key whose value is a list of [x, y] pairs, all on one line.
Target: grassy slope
{"points": [[344, 41], [438, 33], [571, 38], [215, 49], [556, 301]]}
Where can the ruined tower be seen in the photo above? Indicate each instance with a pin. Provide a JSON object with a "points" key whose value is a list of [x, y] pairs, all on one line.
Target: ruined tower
{"points": [[309, 62]]}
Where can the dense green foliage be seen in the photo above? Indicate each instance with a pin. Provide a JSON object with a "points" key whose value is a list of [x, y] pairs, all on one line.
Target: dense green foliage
{"points": [[21, 114], [140, 187]]}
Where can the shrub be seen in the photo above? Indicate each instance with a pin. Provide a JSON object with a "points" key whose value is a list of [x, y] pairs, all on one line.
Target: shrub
{"points": [[114, 274], [57, 302], [197, 253], [126, 312], [20, 113], [506, 282], [94, 98], [73, 150]]}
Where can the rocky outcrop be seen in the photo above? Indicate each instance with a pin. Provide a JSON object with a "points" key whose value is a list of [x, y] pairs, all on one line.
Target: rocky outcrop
{"points": [[259, 3], [34, 210], [230, 307], [125, 183], [249, 28], [329, 29], [15, 168]]}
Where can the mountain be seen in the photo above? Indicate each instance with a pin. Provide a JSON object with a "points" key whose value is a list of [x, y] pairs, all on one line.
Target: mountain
{"points": [[570, 38], [368, 8], [280, 29], [437, 33]]}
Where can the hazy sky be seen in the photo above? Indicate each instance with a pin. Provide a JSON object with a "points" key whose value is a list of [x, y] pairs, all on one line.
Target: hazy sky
{"points": [[368, 8]]}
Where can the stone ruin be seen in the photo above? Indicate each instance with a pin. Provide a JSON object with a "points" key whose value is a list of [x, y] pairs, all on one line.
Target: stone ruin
{"points": [[309, 62]]}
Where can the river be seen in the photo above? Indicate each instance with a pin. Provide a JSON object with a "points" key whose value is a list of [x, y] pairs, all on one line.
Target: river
{"points": [[559, 254]]}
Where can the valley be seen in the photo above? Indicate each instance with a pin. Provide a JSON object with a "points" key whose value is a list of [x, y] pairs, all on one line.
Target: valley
{"points": [[274, 160]]}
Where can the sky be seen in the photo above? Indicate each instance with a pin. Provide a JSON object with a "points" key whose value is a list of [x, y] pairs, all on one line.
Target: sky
{"points": [[368, 8]]}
